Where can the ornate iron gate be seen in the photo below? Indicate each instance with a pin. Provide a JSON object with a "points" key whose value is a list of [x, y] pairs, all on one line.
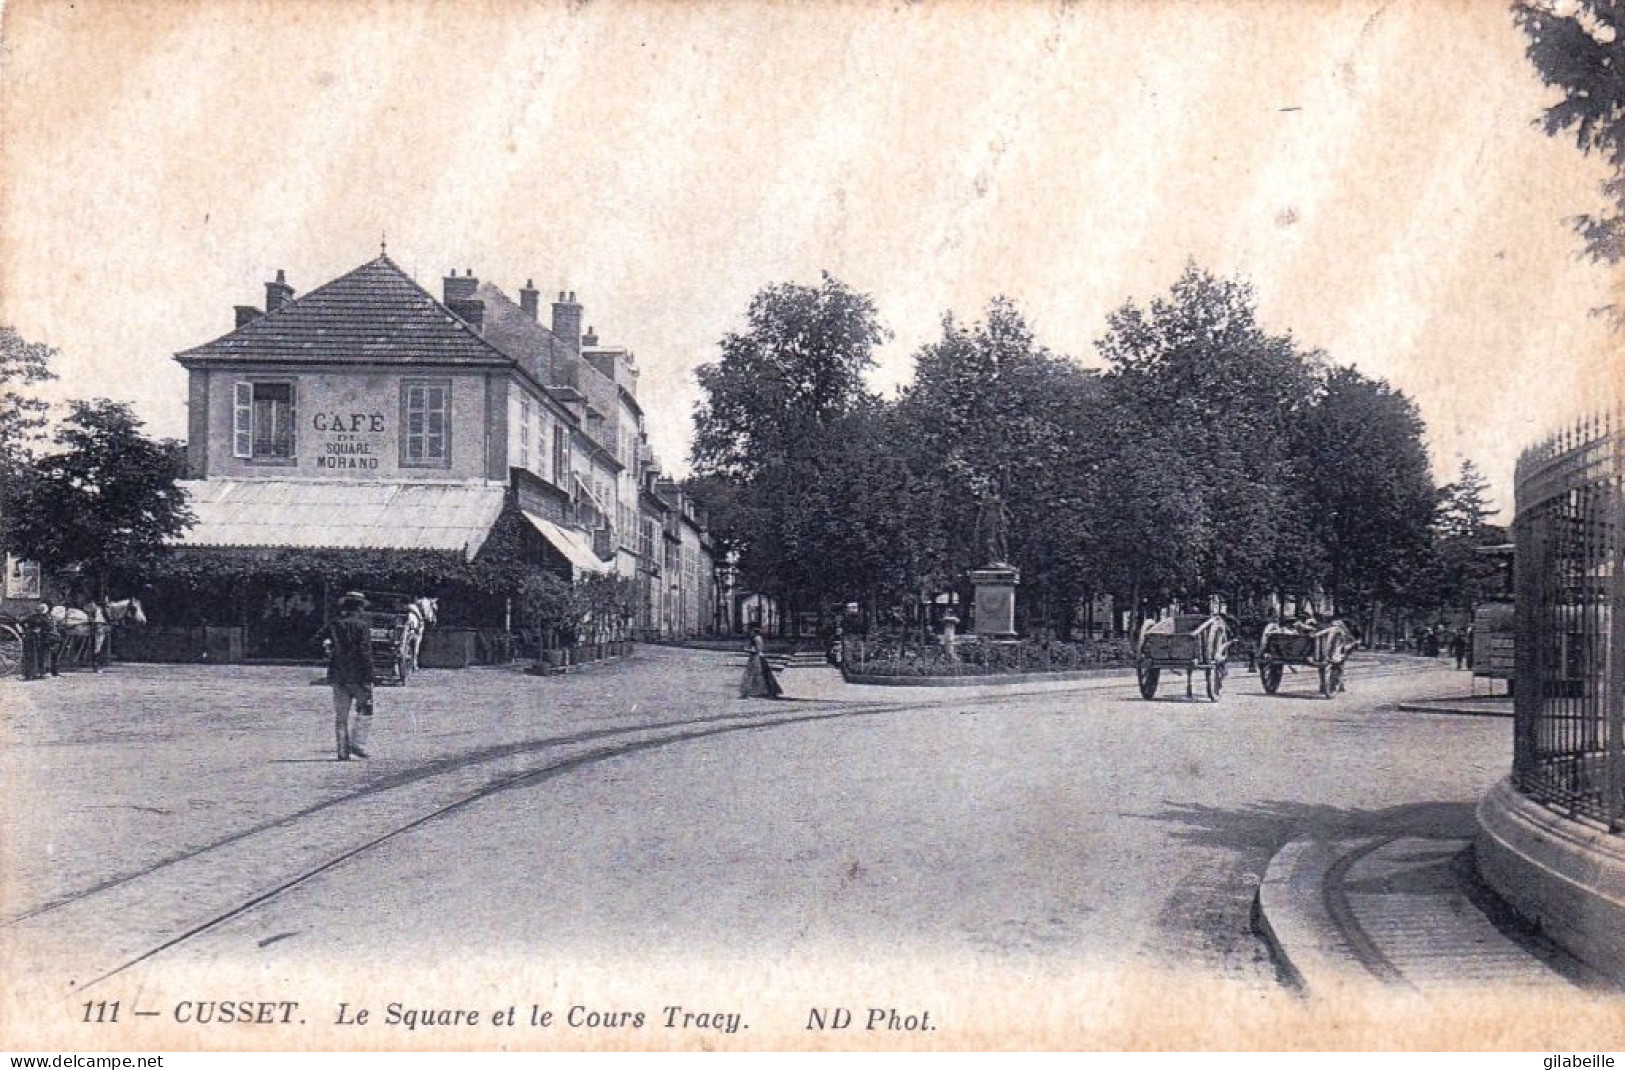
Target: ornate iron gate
{"points": [[1569, 742]]}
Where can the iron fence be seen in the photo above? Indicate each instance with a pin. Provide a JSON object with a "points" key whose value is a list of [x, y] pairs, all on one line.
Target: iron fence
{"points": [[1569, 731]]}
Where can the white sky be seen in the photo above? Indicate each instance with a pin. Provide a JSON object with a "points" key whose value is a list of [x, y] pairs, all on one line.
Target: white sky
{"points": [[1373, 168]]}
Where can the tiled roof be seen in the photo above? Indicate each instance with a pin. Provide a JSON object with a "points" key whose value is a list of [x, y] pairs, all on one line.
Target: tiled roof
{"points": [[375, 314], [322, 514]]}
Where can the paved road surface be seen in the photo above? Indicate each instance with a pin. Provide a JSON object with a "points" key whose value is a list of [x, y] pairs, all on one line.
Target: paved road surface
{"points": [[604, 832]]}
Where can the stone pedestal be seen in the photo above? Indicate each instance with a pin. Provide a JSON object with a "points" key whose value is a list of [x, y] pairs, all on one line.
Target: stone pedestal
{"points": [[950, 624], [995, 600]]}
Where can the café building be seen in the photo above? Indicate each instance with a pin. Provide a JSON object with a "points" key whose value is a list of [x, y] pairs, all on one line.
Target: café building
{"points": [[369, 433]]}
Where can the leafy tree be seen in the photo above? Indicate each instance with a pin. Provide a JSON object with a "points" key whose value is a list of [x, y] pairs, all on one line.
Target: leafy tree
{"points": [[1466, 507], [1226, 398], [1153, 513], [798, 366], [992, 414], [610, 602], [767, 408], [23, 364], [863, 514], [104, 502], [1461, 528], [1369, 491], [22, 416], [1581, 51]]}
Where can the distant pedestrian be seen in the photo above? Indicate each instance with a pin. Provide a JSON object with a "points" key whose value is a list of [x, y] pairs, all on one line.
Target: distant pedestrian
{"points": [[97, 619], [1458, 648], [759, 681], [349, 671]]}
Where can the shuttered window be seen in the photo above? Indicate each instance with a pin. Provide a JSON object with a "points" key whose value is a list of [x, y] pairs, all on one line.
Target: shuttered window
{"points": [[426, 422], [524, 432], [263, 416], [561, 455], [242, 420]]}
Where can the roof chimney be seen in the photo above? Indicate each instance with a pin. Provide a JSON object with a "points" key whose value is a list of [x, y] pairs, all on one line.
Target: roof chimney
{"points": [[247, 314], [469, 310], [590, 339], [529, 297], [459, 289], [277, 293], [567, 321]]}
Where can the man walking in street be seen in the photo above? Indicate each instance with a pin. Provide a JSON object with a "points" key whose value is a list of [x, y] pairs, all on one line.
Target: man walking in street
{"points": [[349, 671]]}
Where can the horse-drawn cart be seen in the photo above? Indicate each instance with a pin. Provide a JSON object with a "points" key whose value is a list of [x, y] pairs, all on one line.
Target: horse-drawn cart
{"points": [[11, 645], [1189, 643], [1324, 650], [397, 623], [391, 623]]}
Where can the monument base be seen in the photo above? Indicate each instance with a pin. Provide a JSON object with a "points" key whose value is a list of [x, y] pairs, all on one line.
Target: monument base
{"points": [[995, 601]]}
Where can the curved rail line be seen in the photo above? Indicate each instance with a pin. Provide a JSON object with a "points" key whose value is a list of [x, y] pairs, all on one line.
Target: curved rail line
{"points": [[527, 778], [454, 763], [648, 737]]}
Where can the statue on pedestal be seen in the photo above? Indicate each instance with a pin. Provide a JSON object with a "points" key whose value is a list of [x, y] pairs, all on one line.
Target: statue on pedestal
{"points": [[994, 582], [992, 528]]}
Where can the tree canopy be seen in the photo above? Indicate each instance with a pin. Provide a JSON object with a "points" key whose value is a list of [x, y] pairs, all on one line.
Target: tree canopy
{"points": [[104, 502], [775, 407], [1227, 400], [798, 366], [1579, 48], [1212, 457], [23, 364]]}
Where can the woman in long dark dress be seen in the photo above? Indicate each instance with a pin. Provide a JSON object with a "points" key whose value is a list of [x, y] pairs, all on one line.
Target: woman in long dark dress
{"points": [[759, 681]]}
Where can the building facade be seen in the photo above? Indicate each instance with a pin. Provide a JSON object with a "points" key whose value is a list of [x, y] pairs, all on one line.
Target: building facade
{"points": [[371, 418]]}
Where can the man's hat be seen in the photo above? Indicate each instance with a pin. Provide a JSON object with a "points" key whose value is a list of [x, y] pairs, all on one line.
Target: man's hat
{"points": [[352, 598]]}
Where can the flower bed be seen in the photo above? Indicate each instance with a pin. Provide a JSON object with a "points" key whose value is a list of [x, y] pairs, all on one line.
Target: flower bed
{"points": [[897, 657]]}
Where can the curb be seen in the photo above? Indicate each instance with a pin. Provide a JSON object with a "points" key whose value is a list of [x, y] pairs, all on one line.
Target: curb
{"points": [[1292, 916], [982, 679], [1443, 705]]}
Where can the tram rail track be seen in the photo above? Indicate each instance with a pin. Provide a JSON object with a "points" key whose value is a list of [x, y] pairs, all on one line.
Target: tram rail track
{"points": [[561, 755]]}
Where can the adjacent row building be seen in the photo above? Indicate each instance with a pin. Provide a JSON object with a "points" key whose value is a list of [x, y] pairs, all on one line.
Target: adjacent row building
{"points": [[369, 417]]}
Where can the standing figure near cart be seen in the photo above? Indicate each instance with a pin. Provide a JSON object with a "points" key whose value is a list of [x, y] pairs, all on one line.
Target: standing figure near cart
{"points": [[349, 671], [40, 643]]}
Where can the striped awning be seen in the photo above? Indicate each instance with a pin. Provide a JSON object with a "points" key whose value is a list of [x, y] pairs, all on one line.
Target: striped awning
{"points": [[337, 515], [572, 544]]}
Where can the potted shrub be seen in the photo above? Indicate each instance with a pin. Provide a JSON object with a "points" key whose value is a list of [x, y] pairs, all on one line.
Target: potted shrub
{"points": [[554, 605]]}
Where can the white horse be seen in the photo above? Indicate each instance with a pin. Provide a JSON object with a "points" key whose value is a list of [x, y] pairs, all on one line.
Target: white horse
{"points": [[83, 633], [421, 615]]}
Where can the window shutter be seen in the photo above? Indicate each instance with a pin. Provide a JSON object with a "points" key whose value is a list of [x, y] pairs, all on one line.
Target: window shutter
{"points": [[242, 420], [293, 419]]}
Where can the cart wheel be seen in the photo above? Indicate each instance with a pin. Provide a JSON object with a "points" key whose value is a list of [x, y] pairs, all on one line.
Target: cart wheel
{"points": [[1215, 681], [1325, 681], [1149, 675], [1271, 675], [11, 649]]}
